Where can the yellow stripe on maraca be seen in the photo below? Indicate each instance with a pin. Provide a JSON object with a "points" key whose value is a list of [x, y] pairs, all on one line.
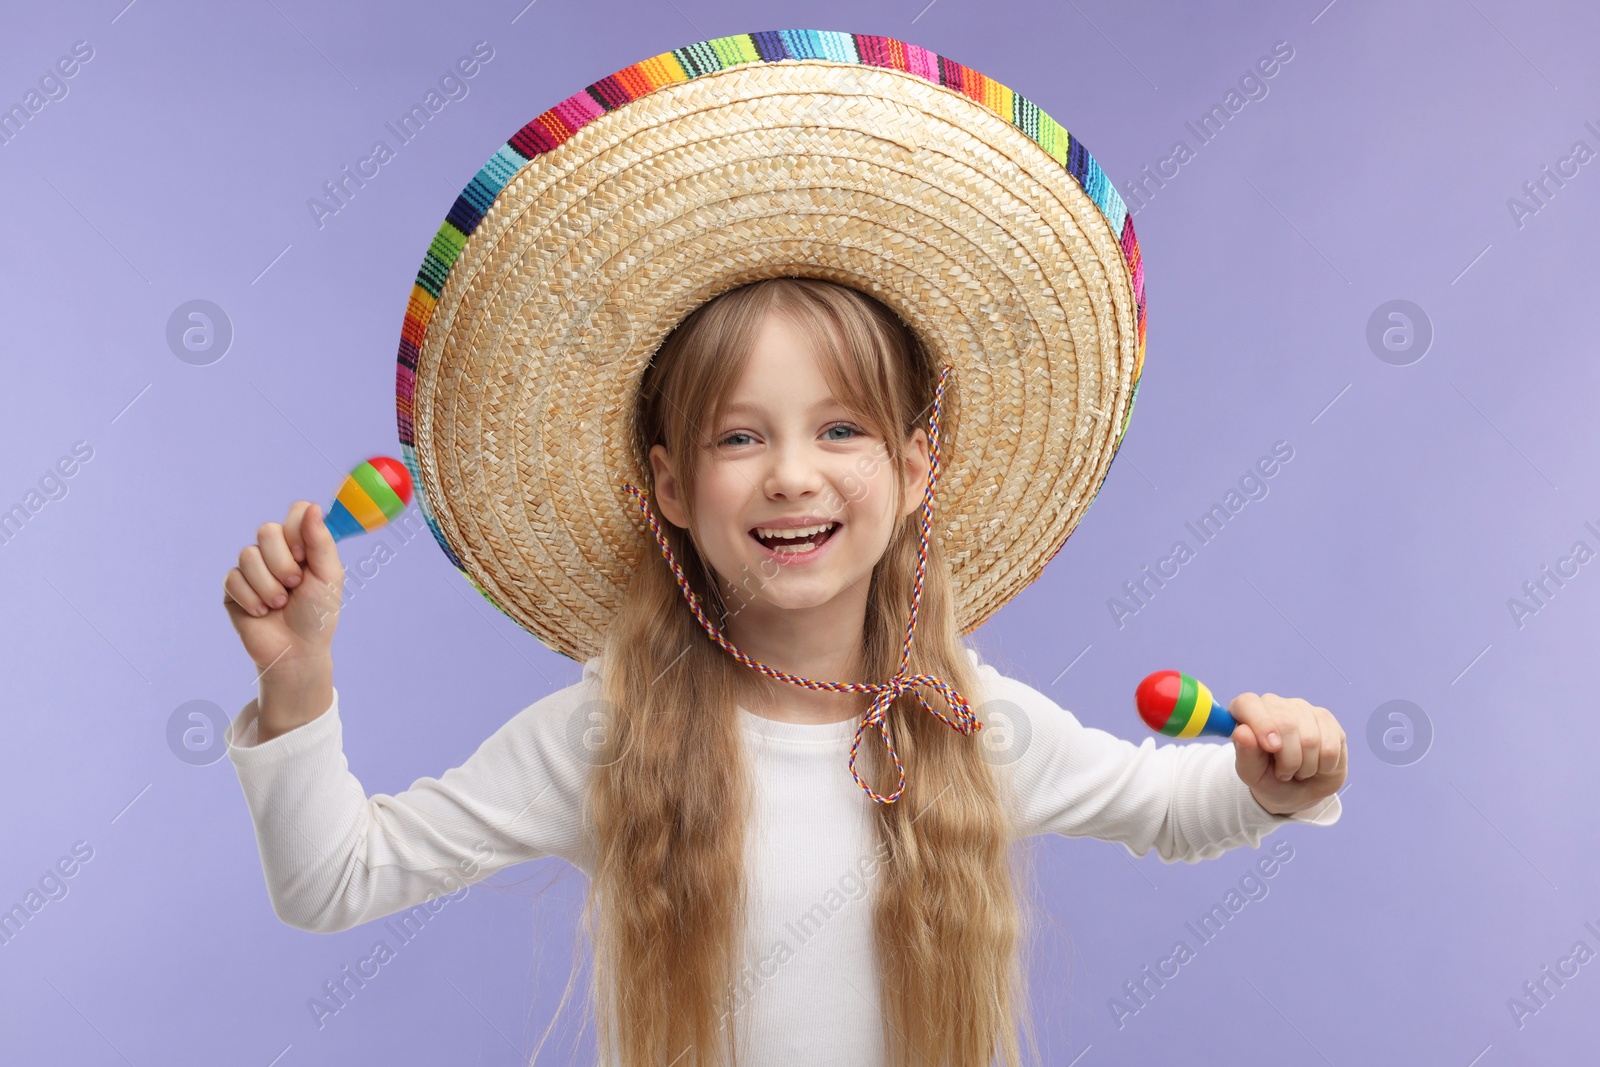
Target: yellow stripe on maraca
{"points": [[1201, 711], [362, 507]]}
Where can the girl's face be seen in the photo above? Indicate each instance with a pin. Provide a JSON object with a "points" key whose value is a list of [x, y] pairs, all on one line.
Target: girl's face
{"points": [[787, 453]]}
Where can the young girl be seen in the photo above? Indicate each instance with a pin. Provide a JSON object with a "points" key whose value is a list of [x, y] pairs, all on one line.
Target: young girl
{"points": [[763, 296], [708, 778]]}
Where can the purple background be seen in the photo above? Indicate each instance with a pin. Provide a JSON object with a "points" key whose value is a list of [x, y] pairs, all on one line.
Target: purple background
{"points": [[1380, 566]]}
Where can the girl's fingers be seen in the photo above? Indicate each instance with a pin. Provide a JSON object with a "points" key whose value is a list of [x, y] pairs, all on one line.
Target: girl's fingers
{"points": [[237, 589], [1250, 761], [1311, 749], [1290, 754], [292, 530], [266, 587], [1332, 753], [275, 552], [322, 552]]}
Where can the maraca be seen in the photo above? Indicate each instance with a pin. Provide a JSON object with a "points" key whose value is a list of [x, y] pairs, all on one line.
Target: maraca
{"points": [[1177, 705], [374, 493]]}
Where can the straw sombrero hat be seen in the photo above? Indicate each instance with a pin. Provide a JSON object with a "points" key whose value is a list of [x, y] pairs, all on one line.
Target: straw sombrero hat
{"points": [[859, 159]]}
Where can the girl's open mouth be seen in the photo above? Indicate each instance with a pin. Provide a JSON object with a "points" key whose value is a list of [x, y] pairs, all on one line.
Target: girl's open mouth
{"points": [[807, 546]]}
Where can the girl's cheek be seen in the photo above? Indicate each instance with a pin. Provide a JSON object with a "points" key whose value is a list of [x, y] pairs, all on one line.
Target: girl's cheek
{"points": [[855, 487]]}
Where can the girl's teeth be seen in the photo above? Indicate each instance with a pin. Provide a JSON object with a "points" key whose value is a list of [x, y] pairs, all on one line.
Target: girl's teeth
{"points": [[796, 533], [794, 542]]}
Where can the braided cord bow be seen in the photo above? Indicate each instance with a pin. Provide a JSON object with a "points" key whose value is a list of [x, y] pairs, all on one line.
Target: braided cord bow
{"points": [[877, 715]]}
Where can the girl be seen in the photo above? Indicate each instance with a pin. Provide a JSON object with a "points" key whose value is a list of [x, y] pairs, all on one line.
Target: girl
{"points": [[721, 304], [742, 887]]}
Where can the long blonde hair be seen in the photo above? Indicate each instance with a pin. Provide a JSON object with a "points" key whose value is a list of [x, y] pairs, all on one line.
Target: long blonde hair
{"points": [[669, 792]]}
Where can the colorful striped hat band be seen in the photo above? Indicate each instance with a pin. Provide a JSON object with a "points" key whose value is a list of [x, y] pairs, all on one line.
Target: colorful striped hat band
{"points": [[877, 714], [861, 160]]}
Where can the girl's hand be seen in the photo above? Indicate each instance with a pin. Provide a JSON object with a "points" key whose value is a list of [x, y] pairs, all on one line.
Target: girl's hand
{"points": [[1290, 752], [285, 613]]}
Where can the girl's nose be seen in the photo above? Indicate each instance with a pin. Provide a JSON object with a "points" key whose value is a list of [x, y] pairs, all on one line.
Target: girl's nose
{"points": [[793, 470]]}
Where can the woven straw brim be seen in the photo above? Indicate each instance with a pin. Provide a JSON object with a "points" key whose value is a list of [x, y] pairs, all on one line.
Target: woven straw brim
{"points": [[875, 178]]}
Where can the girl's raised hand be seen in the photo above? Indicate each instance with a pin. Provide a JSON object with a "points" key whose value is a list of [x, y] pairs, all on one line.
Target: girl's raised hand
{"points": [[1290, 752], [283, 598]]}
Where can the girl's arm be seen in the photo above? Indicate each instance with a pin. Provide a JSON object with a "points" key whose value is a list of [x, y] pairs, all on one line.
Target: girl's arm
{"points": [[335, 858], [1183, 799]]}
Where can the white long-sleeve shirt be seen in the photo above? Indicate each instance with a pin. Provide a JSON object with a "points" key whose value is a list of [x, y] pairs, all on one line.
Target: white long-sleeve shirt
{"points": [[335, 858]]}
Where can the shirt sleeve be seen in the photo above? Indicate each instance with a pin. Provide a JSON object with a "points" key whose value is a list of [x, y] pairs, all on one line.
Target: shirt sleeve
{"points": [[1183, 799], [334, 857]]}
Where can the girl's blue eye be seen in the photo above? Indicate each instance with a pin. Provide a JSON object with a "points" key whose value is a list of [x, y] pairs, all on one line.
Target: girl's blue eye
{"points": [[836, 426]]}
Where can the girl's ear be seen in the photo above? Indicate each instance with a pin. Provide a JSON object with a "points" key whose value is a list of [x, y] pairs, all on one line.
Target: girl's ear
{"points": [[667, 499], [917, 467]]}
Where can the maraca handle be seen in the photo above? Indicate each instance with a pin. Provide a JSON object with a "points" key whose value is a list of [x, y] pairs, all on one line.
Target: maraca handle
{"points": [[1173, 703], [341, 523]]}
